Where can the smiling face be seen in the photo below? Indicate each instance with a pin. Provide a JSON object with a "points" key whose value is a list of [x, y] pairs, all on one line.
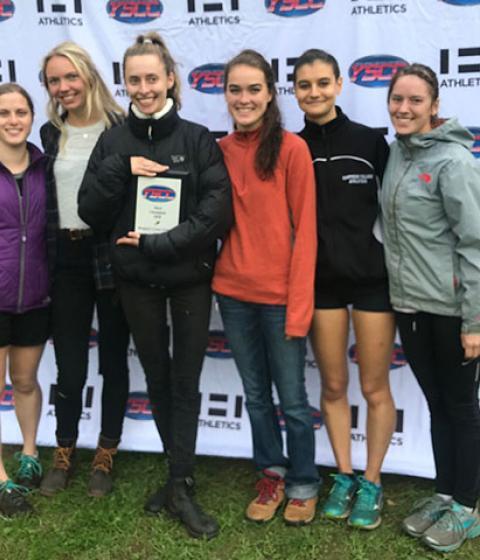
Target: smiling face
{"points": [[411, 106], [15, 120], [316, 90], [147, 82], [247, 96], [65, 85]]}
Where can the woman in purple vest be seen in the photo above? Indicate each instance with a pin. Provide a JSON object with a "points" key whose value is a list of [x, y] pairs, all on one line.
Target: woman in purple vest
{"points": [[23, 285]]}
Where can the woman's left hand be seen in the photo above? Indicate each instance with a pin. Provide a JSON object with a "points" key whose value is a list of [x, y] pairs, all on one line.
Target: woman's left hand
{"points": [[471, 345], [132, 238]]}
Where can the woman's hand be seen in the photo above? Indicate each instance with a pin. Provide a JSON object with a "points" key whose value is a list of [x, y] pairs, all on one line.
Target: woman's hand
{"points": [[471, 345], [143, 166], [132, 238]]}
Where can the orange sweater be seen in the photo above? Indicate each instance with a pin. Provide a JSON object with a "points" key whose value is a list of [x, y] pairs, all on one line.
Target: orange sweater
{"points": [[269, 254]]}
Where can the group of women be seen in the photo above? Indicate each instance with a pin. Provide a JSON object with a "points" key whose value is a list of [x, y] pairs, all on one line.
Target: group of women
{"points": [[304, 247]]}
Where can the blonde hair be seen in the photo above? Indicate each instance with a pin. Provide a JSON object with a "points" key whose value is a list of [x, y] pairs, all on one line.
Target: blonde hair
{"points": [[152, 43], [98, 100]]}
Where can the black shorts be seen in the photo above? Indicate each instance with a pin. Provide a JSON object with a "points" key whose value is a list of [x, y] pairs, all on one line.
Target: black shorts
{"points": [[31, 328], [337, 295]]}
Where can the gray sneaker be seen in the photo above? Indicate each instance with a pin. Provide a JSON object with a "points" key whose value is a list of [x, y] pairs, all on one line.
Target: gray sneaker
{"points": [[454, 527], [424, 514]]}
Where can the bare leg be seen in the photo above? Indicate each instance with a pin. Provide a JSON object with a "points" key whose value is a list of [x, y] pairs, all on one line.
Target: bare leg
{"points": [[374, 333], [3, 373], [329, 341], [26, 390]]}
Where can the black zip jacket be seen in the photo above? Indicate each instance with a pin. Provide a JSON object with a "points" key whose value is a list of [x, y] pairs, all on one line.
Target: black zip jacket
{"points": [[185, 254], [349, 161]]}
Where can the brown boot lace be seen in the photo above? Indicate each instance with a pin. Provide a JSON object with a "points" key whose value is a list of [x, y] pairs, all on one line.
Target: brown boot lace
{"points": [[62, 458], [103, 460]]}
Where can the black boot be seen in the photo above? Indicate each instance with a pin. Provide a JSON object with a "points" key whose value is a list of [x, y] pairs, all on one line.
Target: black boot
{"points": [[157, 501], [181, 504]]}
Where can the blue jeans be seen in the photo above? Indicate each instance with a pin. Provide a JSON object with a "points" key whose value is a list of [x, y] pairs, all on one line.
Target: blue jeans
{"points": [[256, 334]]}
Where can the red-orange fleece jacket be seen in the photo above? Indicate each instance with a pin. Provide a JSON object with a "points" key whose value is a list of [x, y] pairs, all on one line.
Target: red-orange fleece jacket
{"points": [[269, 254]]}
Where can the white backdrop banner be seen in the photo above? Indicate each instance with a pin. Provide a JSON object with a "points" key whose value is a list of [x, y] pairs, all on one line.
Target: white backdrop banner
{"points": [[371, 40]]}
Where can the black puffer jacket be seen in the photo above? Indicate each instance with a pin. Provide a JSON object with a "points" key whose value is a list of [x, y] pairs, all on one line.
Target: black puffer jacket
{"points": [[185, 254], [349, 160]]}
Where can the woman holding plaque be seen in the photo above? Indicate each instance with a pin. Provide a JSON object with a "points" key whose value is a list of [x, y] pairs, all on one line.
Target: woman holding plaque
{"points": [[24, 313], [431, 209], [80, 108], [170, 267], [350, 284], [264, 285]]}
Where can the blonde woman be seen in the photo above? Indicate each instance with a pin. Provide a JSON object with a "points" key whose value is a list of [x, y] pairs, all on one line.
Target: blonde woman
{"points": [[80, 109]]}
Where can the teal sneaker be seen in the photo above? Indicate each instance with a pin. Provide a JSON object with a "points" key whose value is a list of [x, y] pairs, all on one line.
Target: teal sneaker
{"points": [[454, 527], [367, 508], [29, 472], [339, 501], [425, 513]]}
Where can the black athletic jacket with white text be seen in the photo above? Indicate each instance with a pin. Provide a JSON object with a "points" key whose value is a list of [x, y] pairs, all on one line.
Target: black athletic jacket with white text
{"points": [[349, 161]]}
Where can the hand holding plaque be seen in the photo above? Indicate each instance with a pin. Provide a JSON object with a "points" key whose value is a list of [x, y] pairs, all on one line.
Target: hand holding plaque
{"points": [[158, 205]]}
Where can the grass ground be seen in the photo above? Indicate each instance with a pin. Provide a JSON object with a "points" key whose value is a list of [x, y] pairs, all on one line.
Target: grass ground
{"points": [[73, 526]]}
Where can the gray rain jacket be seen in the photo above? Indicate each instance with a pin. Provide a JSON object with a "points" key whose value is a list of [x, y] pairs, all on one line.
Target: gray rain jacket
{"points": [[431, 218]]}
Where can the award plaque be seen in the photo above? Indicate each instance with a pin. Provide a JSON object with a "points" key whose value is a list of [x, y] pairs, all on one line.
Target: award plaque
{"points": [[158, 205]]}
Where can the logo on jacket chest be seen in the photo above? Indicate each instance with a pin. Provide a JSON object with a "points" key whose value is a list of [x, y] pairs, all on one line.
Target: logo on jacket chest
{"points": [[357, 178], [425, 178], [177, 158]]}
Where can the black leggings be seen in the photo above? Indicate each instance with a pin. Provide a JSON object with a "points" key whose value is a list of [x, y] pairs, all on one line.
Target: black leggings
{"points": [[172, 379], [73, 300], [450, 384]]}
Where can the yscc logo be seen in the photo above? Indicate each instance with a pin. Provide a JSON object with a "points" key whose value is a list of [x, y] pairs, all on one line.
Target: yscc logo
{"points": [[7, 9], [462, 2], [294, 8], [138, 406], [158, 193], [317, 418], [375, 70], [218, 346], [134, 11], [207, 78], [398, 357], [475, 130], [6, 399]]}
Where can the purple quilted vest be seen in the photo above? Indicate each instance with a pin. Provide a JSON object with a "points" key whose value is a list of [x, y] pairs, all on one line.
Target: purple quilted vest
{"points": [[23, 249]]}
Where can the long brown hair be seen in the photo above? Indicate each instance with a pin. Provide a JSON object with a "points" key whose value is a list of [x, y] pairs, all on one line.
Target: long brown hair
{"points": [[271, 131]]}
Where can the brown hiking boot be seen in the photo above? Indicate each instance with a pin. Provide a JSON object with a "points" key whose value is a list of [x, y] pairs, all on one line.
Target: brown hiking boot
{"points": [[300, 512], [271, 493], [57, 477], [100, 483]]}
